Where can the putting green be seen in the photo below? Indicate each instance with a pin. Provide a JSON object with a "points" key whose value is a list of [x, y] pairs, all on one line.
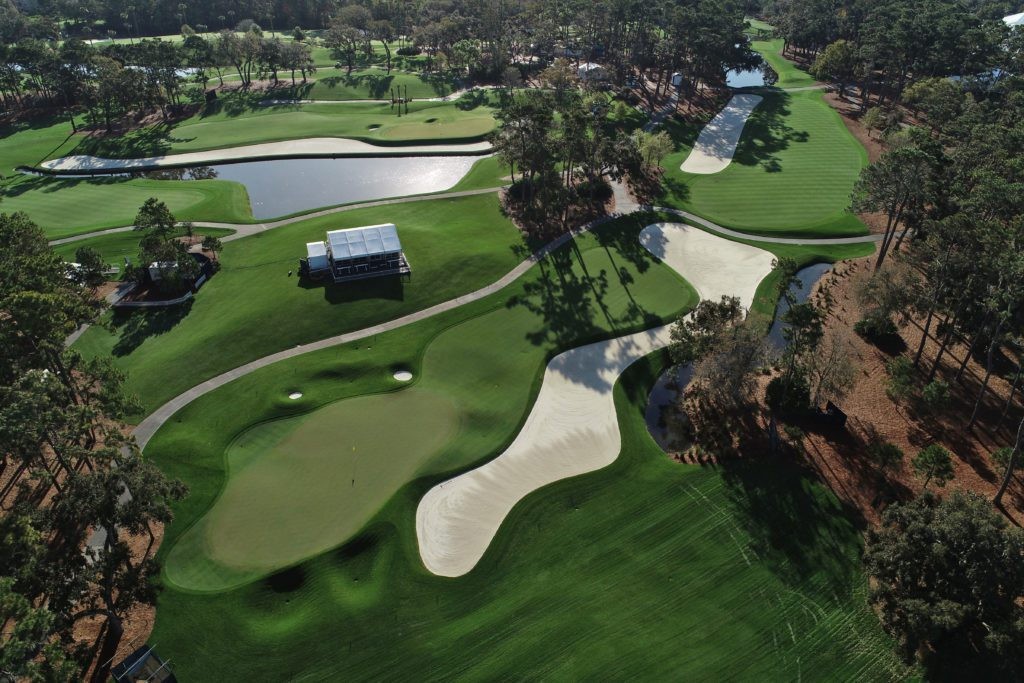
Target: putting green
{"points": [[320, 477]]}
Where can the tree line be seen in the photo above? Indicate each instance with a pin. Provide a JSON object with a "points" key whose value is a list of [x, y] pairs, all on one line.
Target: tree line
{"points": [[72, 546]]}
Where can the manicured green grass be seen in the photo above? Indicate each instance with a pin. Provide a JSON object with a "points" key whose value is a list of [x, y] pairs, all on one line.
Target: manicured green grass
{"points": [[646, 569], [115, 247], [66, 207], [252, 307], [488, 172], [238, 121], [358, 452], [792, 174], [789, 75], [757, 24]]}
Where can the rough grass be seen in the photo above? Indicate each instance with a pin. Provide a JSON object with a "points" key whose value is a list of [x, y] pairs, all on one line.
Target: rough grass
{"points": [[792, 173], [356, 453], [252, 307], [645, 569]]}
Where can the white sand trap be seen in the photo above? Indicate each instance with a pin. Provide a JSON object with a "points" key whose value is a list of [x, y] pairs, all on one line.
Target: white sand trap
{"points": [[572, 428], [717, 142], [304, 147], [403, 375], [295, 395]]}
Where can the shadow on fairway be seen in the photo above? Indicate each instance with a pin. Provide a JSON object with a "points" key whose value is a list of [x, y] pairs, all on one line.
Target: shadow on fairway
{"points": [[133, 327], [766, 134], [798, 530], [288, 580], [391, 288]]}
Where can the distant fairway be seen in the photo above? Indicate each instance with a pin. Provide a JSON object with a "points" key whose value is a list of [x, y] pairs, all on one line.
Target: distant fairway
{"points": [[320, 477], [792, 173]]}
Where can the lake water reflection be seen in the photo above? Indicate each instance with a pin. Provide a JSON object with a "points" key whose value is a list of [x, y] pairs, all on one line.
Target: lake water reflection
{"points": [[284, 186]]}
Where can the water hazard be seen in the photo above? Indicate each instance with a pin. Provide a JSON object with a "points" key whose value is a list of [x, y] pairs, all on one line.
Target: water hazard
{"points": [[667, 423], [280, 187]]}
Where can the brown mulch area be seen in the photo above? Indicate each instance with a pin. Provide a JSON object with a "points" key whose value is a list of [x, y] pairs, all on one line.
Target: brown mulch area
{"points": [[839, 456]]}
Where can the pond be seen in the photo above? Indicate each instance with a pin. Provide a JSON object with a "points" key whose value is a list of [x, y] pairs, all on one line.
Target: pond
{"points": [[667, 424], [280, 187], [744, 79]]}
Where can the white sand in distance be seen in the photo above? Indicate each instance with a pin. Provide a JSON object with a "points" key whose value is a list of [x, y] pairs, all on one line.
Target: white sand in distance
{"points": [[572, 428], [402, 375], [716, 144], [305, 147]]}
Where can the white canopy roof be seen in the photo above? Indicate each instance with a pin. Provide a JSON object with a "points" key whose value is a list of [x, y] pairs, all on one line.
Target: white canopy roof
{"points": [[316, 249], [364, 241], [1014, 19]]}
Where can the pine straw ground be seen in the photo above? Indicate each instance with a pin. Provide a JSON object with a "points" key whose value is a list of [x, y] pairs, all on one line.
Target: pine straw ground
{"points": [[840, 457]]}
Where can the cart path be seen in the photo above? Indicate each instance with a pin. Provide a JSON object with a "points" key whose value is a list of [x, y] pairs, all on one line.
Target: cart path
{"points": [[572, 427], [145, 430], [625, 204], [286, 149], [249, 229]]}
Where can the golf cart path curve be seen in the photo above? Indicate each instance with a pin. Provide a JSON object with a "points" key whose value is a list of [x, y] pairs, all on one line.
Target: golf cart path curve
{"points": [[572, 428], [145, 430], [717, 142], [303, 147]]}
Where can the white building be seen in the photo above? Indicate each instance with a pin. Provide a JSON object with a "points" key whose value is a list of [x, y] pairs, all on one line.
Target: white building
{"points": [[356, 253], [588, 71], [1014, 19]]}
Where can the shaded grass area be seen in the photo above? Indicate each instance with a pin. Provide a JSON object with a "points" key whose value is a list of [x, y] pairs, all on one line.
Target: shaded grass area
{"points": [[485, 360], [252, 307], [115, 247], [240, 119], [790, 76], [371, 83], [646, 568], [792, 173]]}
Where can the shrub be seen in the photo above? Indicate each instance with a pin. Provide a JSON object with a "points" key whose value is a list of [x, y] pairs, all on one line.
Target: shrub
{"points": [[901, 378], [935, 396], [875, 326], [789, 397], [793, 433], [1001, 458], [409, 50], [885, 454], [934, 463]]}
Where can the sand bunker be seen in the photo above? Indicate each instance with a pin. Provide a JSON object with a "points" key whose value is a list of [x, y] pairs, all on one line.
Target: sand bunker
{"points": [[295, 395], [304, 147], [402, 375], [572, 428], [717, 142]]}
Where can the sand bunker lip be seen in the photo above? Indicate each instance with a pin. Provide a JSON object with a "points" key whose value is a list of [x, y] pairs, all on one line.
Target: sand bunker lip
{"points": [[572, 428], [402, 375], [716, 144], [290, 149]]}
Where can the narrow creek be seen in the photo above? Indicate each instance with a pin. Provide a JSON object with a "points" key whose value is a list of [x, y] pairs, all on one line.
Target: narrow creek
{"points": [[667, 423]]}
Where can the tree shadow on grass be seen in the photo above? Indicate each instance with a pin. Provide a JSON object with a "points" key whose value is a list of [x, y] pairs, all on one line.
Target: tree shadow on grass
{"points": [[135, 326], [798, 530], [767, 133]]}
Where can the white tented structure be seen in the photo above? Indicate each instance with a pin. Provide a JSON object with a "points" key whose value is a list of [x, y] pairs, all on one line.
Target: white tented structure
{"points": [[356, 253], [589, 71], [1014, 19]]}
